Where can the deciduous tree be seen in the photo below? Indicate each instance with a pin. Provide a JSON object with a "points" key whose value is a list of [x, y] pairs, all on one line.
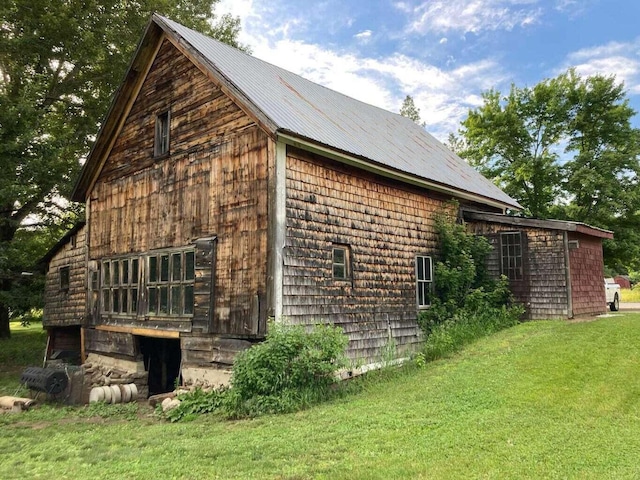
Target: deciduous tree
{"points": [[564, 148], [60, 63]]}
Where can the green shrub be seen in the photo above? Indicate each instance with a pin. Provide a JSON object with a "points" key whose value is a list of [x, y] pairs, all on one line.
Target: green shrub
{"points": [[466, 302], [290, 370]]}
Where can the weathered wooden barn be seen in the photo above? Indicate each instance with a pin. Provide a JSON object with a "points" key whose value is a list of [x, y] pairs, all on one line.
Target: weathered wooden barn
{"points": [[555, 268], [223, 191]]}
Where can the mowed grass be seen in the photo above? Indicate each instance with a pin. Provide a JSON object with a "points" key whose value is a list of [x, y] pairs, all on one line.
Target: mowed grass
{"points": [[540, 400]]}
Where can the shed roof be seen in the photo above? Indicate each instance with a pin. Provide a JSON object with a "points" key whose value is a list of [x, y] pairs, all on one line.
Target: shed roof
{"points": [[41, 264], [290, 105], [564, 225]]}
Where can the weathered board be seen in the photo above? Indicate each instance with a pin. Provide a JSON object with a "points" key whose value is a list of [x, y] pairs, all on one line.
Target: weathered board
{"points": [[200, 350], [66, 306], [102, 341]]}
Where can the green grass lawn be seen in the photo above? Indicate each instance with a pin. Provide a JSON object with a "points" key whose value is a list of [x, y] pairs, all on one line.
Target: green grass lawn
{"points": [[540, 400], [24, 349]]}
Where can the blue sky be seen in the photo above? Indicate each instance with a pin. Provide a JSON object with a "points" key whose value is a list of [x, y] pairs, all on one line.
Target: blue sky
{"points": [[444, 53]]}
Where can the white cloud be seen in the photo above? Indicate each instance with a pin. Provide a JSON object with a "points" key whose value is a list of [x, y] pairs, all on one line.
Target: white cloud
{"points": [[363, 36], [474, 16], [614, 58], [443, 95]]}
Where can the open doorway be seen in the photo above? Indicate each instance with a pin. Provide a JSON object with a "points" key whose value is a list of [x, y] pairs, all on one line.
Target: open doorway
{"points": [[63, 346], [162, 359]]}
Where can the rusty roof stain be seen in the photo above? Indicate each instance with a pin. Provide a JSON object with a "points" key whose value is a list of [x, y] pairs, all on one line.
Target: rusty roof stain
{"points": [[308, 110]]}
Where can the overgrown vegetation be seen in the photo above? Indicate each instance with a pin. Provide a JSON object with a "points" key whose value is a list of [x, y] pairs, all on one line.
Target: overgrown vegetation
{"points": [[466, 303], [290, 370], [548, 399]]}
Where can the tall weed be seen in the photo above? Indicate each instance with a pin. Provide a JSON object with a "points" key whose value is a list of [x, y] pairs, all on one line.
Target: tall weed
{"points": [[466, 302]]}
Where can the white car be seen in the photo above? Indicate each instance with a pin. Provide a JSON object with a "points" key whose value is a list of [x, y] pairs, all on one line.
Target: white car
{"points": [[612, 290]]}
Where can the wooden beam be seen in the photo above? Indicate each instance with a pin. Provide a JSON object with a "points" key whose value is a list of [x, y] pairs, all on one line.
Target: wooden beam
{"points": [[143, 332]]}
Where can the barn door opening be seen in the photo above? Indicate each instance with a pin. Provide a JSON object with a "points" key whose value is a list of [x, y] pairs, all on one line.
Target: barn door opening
{"points": [[162, 357]]}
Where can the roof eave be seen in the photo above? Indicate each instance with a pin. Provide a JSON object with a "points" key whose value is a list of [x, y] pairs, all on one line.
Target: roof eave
{"points": [[295, 140], [563, 225]]}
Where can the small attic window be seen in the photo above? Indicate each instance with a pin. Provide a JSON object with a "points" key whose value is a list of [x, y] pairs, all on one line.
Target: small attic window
{"points": [[64, 279], [161, 144]]}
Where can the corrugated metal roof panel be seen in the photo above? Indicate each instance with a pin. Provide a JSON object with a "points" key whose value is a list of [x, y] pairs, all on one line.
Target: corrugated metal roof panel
{"points": [[309, 110]]}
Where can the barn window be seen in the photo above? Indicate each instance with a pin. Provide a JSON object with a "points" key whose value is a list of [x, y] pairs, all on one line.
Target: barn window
{"points": [[120, 285], [511, 255], [424, 280], [64, 279], [161, 145], [170, 281], [341, 262]]}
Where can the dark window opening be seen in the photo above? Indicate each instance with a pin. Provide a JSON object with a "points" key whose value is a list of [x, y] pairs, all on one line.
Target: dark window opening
{"points": [[511, 255], [64, 346], [64, 279], [161, 145], [424, 280], [162, 358]]}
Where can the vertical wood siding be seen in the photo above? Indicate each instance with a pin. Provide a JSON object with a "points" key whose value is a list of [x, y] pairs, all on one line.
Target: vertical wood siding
{"points": [[212, 183], [66, 308], [543, 290], [587, 275], [385, 226]]}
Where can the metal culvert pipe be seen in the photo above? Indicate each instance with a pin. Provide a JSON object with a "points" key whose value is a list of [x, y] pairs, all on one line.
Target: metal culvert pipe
{"points": [[48, 380]]}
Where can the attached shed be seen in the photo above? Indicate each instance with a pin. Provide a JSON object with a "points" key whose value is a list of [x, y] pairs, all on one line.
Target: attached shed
{"points": [[555, 268], [65, 295]]}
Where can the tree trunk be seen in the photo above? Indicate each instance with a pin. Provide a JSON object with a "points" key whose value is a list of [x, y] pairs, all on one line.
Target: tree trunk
{"points": [[5, 332]]}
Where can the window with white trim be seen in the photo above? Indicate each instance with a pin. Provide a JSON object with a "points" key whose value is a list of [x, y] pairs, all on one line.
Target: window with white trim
{"points": [[340, 261], [424, 280]]}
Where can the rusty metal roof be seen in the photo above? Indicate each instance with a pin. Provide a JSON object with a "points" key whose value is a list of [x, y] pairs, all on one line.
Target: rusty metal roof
{"points": [[310, 111]]}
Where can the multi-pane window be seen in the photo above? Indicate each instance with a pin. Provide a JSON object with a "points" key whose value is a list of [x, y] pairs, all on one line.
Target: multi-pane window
{"points": [[120, 285], [424, 280], [64, 279], [511, 255], [340, 263], [161, 144], [170, 279]]}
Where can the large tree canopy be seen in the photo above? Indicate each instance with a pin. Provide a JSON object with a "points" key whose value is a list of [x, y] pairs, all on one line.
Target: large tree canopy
{"points": [[564, 148], [60, 63]]}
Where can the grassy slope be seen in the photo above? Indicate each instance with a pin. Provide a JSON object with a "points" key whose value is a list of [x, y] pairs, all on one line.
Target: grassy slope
{"points": [[541, 400]]}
